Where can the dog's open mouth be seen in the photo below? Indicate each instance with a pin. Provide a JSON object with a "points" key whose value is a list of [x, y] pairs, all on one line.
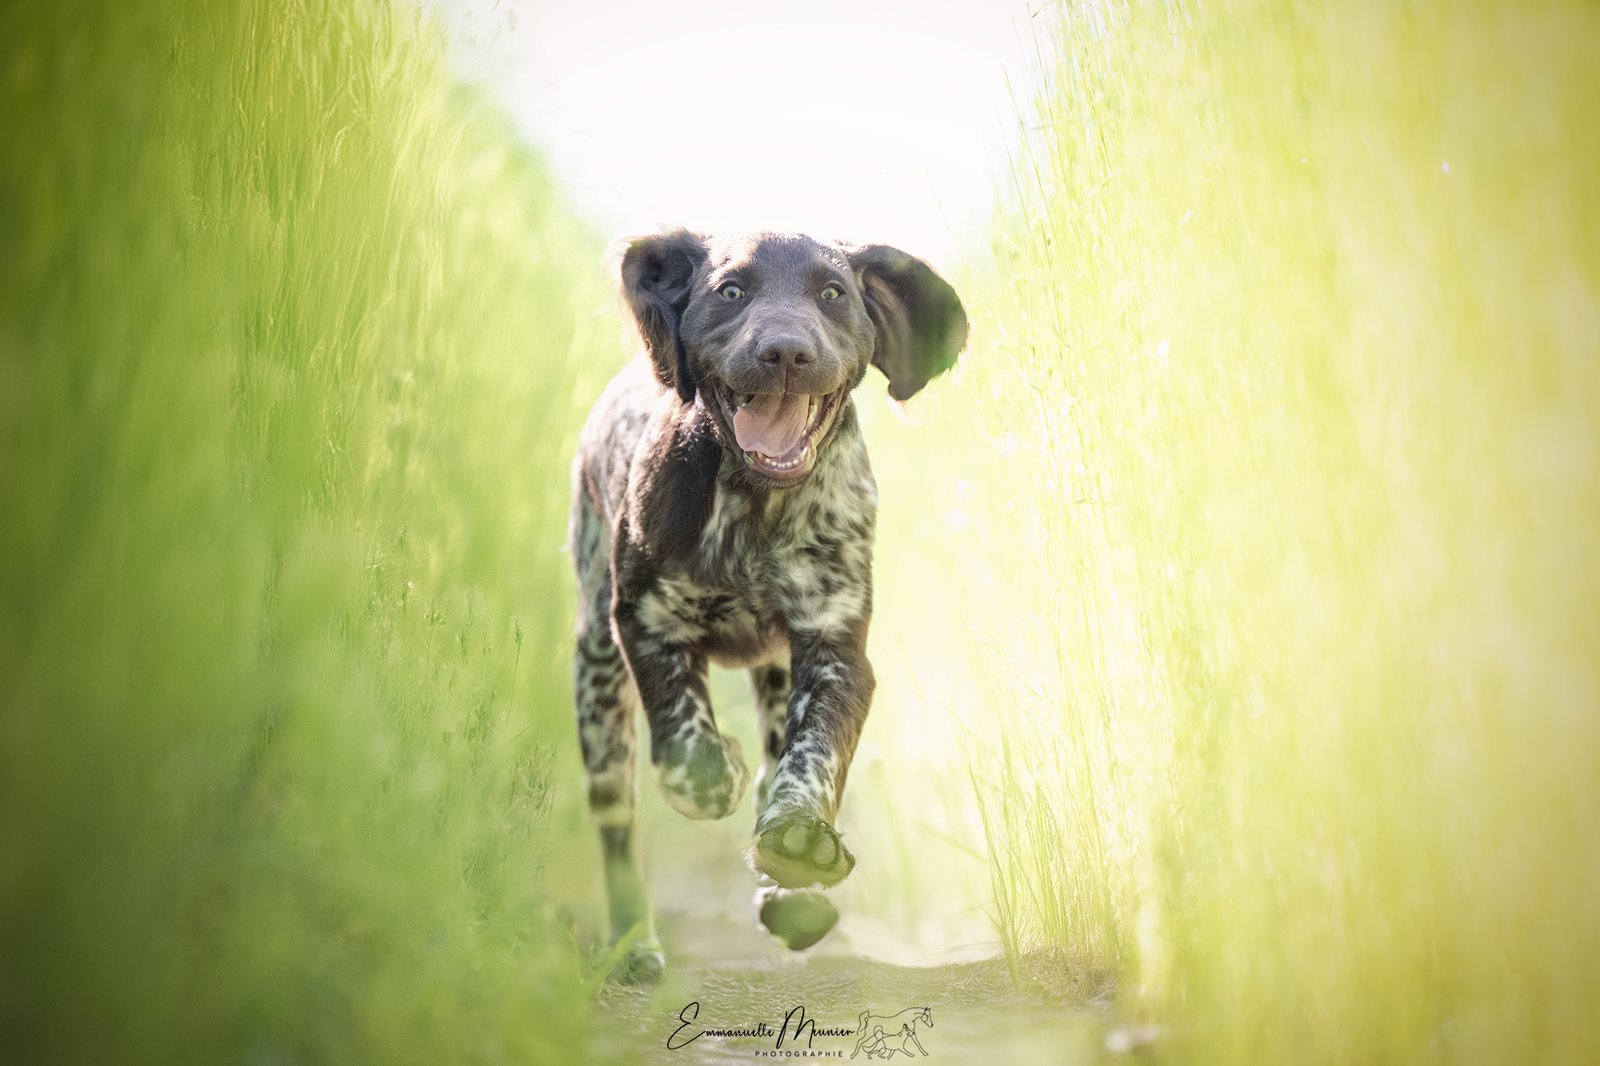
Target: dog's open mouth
{"points": [[778, 433]]}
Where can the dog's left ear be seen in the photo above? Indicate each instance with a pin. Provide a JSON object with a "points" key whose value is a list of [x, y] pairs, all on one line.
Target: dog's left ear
{"points": [[916, 315], [657, 275]]}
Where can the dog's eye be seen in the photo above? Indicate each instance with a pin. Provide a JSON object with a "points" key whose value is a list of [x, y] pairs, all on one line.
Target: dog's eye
{"points": [[831, 291], [731, 291]]}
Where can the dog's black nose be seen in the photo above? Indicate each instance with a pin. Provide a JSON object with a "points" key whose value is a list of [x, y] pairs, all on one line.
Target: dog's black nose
{"points": [[786, 351]]}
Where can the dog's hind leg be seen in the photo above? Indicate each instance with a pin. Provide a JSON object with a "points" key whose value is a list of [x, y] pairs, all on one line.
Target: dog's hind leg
{"points": [[798, 917], [771, 685], [607, 707]]}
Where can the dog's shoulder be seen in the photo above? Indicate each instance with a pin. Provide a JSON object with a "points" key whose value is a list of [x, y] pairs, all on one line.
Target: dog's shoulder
{"points": [[672, 484], [617, 423], [648, 462]]}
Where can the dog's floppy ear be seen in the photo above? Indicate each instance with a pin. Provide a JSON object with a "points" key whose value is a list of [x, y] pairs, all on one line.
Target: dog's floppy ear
{"points": [[917, 316], [657, 275]]}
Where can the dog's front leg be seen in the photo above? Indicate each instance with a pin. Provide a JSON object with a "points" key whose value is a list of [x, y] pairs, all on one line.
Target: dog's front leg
{"points": [[703, 772], [796, 842]]}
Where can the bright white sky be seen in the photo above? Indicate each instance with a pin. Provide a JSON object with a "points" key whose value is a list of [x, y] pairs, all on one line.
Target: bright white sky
{"points": [[873, 120]]}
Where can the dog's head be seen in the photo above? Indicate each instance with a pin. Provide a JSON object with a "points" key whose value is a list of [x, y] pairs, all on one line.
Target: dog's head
{"points": [[771, 332]]}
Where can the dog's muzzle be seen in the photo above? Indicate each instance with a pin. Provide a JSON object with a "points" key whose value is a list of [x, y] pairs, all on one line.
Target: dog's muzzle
{"points": [[776, 435]]}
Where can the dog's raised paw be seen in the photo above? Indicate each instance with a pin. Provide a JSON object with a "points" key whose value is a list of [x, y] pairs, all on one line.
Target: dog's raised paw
{"points": [[799, 918], [798, 850], [704, 777]]}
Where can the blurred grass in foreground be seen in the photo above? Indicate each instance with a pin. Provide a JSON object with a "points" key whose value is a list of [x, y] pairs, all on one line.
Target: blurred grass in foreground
{"points": [[1272, 528], [288, 342]]}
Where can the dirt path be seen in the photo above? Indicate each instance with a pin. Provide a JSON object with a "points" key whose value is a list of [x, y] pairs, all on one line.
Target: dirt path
{"points": [[724, 975]]}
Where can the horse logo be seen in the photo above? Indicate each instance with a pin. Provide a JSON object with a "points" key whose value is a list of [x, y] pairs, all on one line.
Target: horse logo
{"points": [[881, 1036]]}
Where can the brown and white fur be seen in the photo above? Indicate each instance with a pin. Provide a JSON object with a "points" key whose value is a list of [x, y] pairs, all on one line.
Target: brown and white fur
{"points": [[691, 549]]}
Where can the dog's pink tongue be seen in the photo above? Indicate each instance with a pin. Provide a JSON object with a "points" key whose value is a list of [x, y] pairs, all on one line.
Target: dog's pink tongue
{"points": [[771, 424]]}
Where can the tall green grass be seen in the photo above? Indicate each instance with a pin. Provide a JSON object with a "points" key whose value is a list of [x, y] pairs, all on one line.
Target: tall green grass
{"points": [[290, 334], [1277, 483]]}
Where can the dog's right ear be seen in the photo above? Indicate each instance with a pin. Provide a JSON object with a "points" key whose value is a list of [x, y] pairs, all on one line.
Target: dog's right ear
{"points": [[657, 275]]}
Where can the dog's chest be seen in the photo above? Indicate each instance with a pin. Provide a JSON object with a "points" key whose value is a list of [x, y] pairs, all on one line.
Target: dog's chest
{"points": [[761, 560], [730, 623]]}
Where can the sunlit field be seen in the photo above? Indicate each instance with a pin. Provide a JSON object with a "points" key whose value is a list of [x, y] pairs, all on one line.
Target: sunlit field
{"points": [[1235, 627], [1268, 501]]}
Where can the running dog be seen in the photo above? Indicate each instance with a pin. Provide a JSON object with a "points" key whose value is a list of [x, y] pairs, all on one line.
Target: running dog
{"points": [[723, 512]]}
